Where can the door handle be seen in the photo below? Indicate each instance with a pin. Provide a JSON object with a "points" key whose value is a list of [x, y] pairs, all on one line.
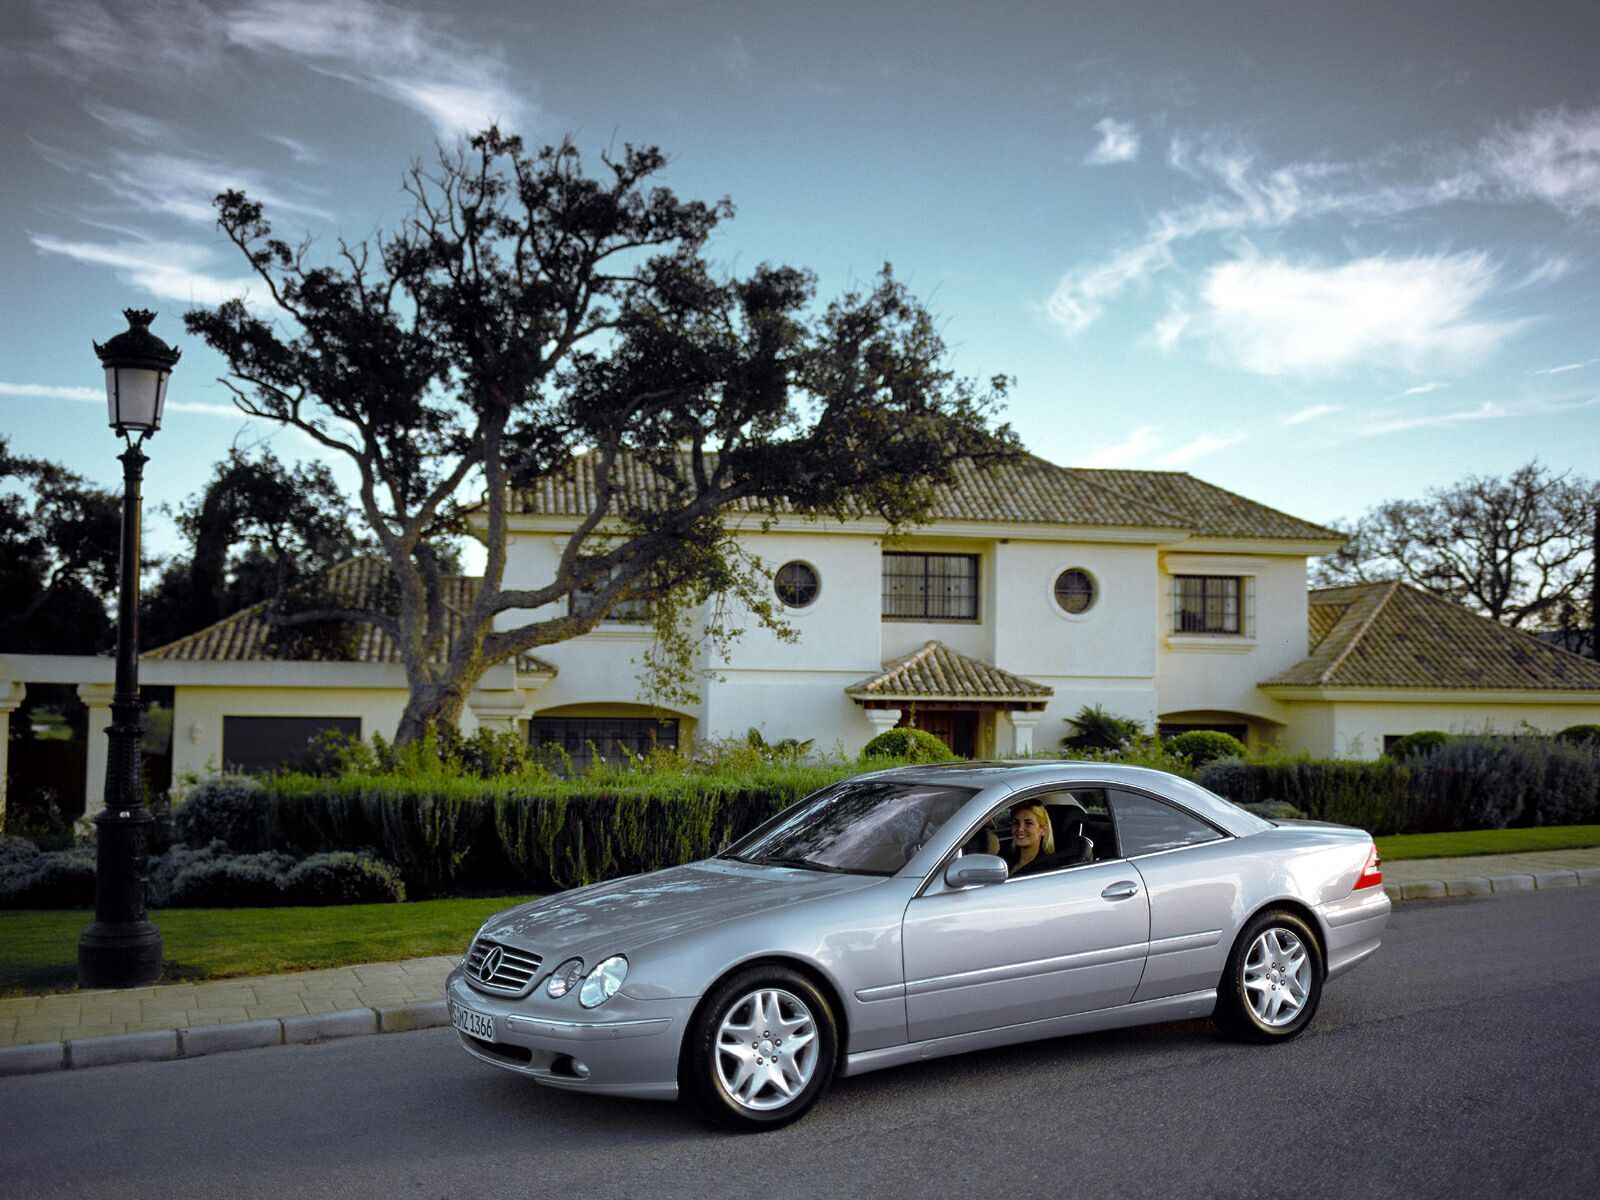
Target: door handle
{"points": [[1120, 891]]}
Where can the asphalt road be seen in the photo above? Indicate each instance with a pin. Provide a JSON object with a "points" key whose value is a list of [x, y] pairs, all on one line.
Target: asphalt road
{"points": [[1464, 1060]]}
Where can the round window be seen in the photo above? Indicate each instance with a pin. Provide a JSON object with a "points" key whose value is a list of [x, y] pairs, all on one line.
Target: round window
{"points": [[796, 584], [1075, 591]]}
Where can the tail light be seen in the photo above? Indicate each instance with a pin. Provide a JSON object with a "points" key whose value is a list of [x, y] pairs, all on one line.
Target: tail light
{"points": [[1370, 875]]}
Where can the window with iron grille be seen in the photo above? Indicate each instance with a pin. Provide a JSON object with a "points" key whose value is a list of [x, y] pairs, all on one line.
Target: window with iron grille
{"points": [[930, 587], [584, 740], [1207, 604], [635, 612]]}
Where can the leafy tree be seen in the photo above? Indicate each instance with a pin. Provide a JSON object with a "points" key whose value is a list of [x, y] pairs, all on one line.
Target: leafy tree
{"points": [[59, 552], [524, 311], [1519, 549], [259, 530]]}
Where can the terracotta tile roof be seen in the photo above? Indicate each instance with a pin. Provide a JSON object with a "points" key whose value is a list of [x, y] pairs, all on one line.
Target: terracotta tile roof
{"points": [[936, 672], [1028, 490], [244, 636], [1389, 635], [1209, 510]]}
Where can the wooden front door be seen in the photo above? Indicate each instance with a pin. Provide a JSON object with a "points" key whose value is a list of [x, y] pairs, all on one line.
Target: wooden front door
{"points": [[956, 728]]}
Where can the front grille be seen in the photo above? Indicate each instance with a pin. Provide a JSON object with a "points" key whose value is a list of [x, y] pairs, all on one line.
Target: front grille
{"points": [[507, 973]]}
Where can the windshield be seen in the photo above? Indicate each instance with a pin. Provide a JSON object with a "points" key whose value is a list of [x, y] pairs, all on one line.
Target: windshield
{"points": [[860, 826]]}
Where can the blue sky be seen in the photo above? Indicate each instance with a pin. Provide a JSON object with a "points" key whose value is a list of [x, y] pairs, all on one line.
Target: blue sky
{"points": [[1323, 258]]}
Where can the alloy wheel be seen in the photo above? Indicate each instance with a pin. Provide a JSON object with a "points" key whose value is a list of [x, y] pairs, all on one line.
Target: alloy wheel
{"points": [[766, 1049], [1277, 977]]}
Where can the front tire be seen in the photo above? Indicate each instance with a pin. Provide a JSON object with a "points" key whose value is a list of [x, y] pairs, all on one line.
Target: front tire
{"points": [[1272, 984], [761, 1051]]}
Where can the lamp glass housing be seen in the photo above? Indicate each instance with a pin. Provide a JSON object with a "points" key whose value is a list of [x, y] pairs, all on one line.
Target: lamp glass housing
{"points": [[135, 396]]}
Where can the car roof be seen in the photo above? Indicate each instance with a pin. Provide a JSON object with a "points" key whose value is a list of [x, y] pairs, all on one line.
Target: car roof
{"points": [[1020, 775]]}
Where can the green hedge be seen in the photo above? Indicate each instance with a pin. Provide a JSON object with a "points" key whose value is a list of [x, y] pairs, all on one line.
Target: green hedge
{"points": [[464, 835], [1465, 783]]}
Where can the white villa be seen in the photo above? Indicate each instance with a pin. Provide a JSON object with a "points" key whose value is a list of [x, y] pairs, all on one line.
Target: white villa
{"points": [[1034, 591]]}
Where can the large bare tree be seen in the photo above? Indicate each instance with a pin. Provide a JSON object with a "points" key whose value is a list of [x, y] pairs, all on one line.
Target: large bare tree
{"points": [[1519, 548], [526, 320]]}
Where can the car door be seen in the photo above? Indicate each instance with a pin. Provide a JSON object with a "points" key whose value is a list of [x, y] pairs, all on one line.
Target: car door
{"points": [[1192, 879], [1032, 948]]}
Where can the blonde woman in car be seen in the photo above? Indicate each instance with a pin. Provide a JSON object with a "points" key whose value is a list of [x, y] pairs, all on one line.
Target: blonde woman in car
{"points": [[1033, 842]]}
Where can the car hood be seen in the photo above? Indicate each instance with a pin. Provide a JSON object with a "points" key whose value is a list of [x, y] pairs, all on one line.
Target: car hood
{"points": [[625, 914]]}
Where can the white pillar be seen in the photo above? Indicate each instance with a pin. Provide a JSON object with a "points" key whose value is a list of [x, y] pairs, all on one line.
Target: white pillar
{"points": [[11, 696], [96, 698], [882, 719], [497, 710], [1022, 723]]}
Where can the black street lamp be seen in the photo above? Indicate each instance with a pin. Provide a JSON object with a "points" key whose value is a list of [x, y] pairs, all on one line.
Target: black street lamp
{"points": [[122, 947]]}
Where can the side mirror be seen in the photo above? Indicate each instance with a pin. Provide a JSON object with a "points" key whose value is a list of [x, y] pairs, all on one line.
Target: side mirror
{"points": [[976, 870]]}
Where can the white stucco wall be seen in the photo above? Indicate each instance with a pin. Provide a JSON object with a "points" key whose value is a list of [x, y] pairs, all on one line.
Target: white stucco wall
{"points": [[1220, 673], [1358, 729], [198, 711]]}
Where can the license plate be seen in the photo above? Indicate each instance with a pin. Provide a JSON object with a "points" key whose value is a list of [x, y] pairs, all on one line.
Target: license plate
{"points": [[473, 1024]]}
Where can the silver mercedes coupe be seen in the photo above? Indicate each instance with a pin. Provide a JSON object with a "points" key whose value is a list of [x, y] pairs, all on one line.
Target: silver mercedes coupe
{"points": [[918, 912]]}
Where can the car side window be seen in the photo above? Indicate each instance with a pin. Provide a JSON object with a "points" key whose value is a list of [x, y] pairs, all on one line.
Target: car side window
{"points": [[1146, 825]]}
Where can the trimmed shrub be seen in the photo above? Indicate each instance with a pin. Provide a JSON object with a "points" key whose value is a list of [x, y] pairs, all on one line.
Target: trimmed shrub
{"points": [[342, 877], [61, 879], [1467, 783], [1581, 735], [1414, 745], [15, 850], [228, 809], [231, 881], [913, 745], [1374, 796], [1275, 810], [1201, 746]]}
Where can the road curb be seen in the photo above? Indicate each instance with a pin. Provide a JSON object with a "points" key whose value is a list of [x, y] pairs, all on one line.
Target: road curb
{"points": [[1492, 885], [156, 1045]]}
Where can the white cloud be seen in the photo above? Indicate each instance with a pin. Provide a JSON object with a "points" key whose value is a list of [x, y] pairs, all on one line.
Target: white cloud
{"points": [[1311, 413], [50, 391], [1549, 269], [1488, 410], [1555, 157], [1272, 316], [1565, 367], [89, 395], [1199, 447], [170, 270], [405, 56], [1422, 389], [299, 152], [1136, 447], [1119, 143], [408, 57]]}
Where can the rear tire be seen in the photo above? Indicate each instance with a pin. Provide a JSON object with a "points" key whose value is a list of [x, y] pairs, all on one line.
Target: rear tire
{"points": [[1272, 984], [761, 1050]]}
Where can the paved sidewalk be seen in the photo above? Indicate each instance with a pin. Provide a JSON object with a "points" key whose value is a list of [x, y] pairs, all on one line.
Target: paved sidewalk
{"points": [[185, 1006], [1483, 866]]}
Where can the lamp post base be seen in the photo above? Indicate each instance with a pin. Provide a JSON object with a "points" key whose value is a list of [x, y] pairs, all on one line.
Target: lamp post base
{"points": [[121, 947], [119, 956]]}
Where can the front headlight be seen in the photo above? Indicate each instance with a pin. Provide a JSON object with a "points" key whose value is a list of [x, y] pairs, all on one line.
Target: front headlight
{"points": [[564, 978], [602, 982]]}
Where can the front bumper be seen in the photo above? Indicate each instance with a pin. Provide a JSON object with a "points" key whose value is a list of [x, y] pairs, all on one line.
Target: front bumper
{"points": [[626, 1047]]}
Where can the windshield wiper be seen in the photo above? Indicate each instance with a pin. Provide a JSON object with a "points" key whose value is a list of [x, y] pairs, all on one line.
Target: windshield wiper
{"points": [[799, 860]]}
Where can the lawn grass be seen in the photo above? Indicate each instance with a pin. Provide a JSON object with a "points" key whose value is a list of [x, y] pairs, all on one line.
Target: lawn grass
{"points": [[38, 948], [1401, 846]]}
